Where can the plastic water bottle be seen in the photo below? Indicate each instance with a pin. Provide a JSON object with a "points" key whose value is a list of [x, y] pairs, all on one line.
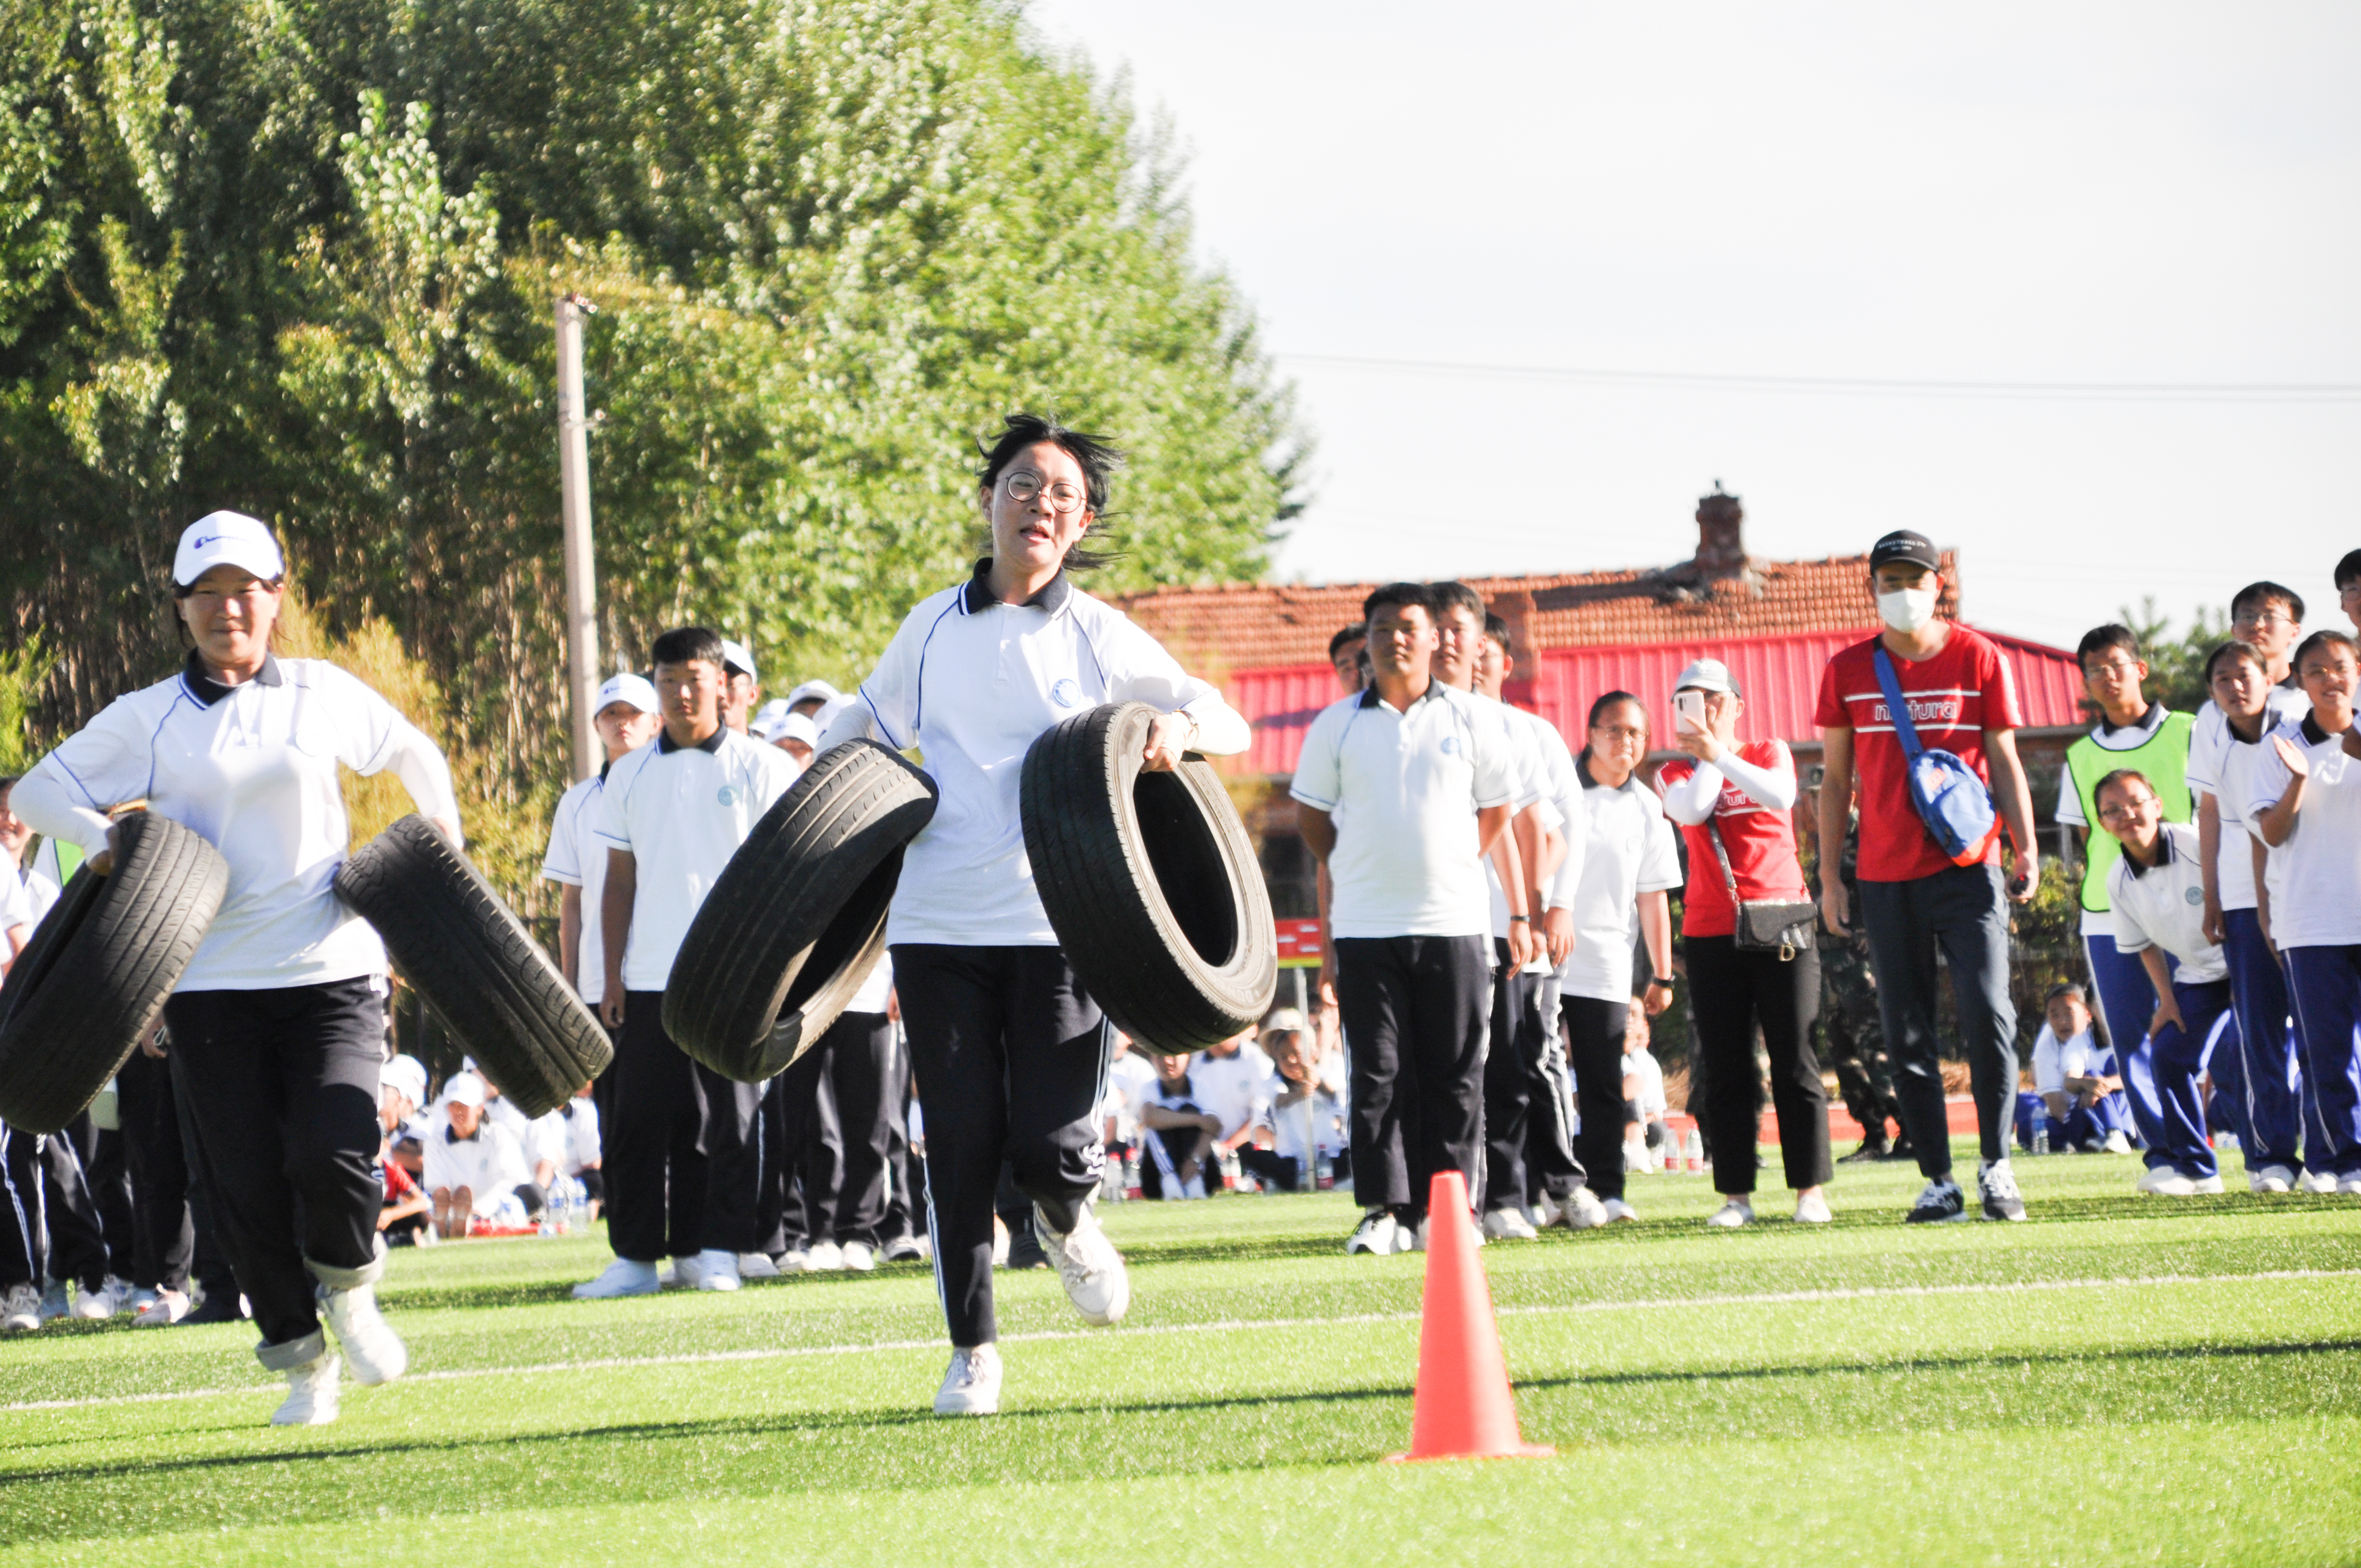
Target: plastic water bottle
{"points": [[2041, 1129], [1692, 1151]]}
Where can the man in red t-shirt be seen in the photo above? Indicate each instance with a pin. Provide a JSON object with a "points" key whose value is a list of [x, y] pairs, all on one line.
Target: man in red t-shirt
{"points": [[1962, 699]]}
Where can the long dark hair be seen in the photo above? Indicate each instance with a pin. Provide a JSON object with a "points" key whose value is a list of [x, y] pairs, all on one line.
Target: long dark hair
{"points": [[1097, 457]]}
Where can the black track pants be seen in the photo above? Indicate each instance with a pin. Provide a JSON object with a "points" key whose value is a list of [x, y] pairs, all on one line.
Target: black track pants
{"points": [[735, 1140], [1416, 1011], [845, 1163], [1594, 1043], [1011, 1059], [47, 1222], [278, 1091], [163, 1234], [1735, 990], [655, 1160]]}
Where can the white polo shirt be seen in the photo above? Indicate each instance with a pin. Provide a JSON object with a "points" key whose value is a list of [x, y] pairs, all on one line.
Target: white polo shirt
{"points": [[252, 770], [16, 908], [2222, 765], [1534, 745], [1629, 848], [490, 1165], [1642, 1064], [1235, 1088], [970, 683], [1404, 789], [682, 813], [583, 1146], [2055, 1061], [577, 858], [2164, 907], [2316, 872]]}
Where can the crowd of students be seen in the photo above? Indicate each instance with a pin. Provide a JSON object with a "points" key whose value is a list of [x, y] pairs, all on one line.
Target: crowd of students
{"points": [[1496, 909]]}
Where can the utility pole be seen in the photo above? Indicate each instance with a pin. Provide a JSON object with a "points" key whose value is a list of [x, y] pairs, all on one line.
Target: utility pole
{"points": [[581, 564]]}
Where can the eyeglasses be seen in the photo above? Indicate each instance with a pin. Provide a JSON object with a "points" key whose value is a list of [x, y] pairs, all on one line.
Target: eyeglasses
{"points": [[1023, 486], [2269, 615], [2125, 810], [1618, 733]]}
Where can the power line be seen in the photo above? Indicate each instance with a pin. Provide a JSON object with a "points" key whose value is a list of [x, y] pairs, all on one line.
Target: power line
{"points": [[1845, 386]]}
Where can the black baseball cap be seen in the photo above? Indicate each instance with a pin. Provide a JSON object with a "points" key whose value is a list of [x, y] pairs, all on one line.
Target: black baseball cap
{"points": [[1904, 545]]}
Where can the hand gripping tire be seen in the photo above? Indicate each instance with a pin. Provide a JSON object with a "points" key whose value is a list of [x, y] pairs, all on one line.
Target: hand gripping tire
{"points": [[468, 954], [796, 919], [1150, 883], [99, 967]]}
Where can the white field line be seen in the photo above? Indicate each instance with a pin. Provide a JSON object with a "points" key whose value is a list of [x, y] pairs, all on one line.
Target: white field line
{"points": [[1229, 1325]]}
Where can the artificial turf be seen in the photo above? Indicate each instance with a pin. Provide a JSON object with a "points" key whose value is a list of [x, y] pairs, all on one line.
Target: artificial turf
{"points": [[2121, 1380]]}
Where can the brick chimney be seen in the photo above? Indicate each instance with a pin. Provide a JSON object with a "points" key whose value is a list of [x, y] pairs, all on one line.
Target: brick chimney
{"points": [[1721, 550]]}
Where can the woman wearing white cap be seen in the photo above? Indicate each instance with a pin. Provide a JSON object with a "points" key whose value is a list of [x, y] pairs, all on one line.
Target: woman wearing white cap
{"points": [[278, 1025], [1732, 802], [626, 718]]}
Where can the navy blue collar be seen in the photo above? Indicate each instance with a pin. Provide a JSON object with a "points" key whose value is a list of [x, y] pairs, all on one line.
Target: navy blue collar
{"points": [[1369, 697], [2146, 722], [978, 594], [209, 691], [709, 745]]}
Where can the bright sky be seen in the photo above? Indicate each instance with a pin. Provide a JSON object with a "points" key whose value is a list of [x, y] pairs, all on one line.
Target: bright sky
{"points": [[2145, 194]]}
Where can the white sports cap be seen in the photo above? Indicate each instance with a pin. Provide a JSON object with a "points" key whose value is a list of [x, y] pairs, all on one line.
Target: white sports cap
{"points": [[734, 656], [821, 689], [464, 1089], [796, 726], [1706, 675], [408, 1074], [226, 539], [634, 689]]}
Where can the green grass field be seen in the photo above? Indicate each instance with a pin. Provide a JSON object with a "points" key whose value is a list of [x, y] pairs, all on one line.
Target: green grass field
{"points": [[2121, 1380]]}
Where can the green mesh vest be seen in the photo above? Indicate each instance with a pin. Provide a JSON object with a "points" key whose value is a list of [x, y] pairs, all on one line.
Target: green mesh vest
{"points": [[2163, 757]]}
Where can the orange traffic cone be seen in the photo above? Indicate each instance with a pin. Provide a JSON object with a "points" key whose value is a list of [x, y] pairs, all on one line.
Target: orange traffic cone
{"points": [[1464, 1409]]}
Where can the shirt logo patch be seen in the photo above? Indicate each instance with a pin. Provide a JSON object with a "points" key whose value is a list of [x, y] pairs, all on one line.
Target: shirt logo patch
{"points": [[1065, 693], [727, 795], [2195, 896], [1450, 747]]}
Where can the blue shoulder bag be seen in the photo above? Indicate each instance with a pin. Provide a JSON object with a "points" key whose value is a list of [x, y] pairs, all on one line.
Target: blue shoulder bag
{"points": [[1952, 797]]}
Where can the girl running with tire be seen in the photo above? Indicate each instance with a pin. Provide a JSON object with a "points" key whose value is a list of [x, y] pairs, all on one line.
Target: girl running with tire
{"points": [[278, 1025], [1009, 1053]]}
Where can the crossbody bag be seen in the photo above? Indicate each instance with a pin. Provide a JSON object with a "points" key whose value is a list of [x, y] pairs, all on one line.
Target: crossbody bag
{"points": [[1764, 925]]}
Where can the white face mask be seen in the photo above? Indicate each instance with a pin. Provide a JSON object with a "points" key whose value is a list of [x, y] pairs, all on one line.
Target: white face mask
{"points": [[1906, 609]]}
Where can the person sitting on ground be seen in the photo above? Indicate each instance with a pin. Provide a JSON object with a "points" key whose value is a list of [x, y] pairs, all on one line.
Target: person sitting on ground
{"points": [[1176, 1133], [1233, 1079], [2075, 1080], [474, 1167], [1128, 1077], [1644, 1095], [1292, 1160], [406, 1215], [584, 1155]]}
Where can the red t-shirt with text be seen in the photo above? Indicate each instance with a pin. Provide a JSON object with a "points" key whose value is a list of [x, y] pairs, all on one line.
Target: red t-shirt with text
{"points": [[1760, 841], [1965, 689]]}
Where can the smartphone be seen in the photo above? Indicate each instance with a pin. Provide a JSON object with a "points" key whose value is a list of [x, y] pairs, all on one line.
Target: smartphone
{"points": [[1690, 705]]}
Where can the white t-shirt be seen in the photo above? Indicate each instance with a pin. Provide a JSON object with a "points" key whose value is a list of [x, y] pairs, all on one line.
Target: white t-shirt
{"points": [[2055, 1061], [2316, 872], [577, 858], [1629, 850], [1549, 784], [1286, 1121], [17, 907], [1404, 789], [2222, 765], [873, 992], [582, 1146], [682, 813], [2165, 907], [1235, 1088], [490, 1165], [970, 683], [1644, 1065], [253, 772], [1128, 1079]]}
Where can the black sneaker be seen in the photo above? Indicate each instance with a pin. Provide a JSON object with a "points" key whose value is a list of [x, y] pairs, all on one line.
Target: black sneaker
{"points": [[1867, 1151], [1997, 1183], [1940, 1202]]}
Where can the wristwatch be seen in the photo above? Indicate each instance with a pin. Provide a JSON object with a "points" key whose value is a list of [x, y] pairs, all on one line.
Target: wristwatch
{"points": [[1658, 981]]}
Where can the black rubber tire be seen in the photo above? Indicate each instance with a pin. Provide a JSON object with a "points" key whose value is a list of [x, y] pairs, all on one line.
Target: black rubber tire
{"points": [[463, 949], [796, 919], [1150, 883], [99, 967]]}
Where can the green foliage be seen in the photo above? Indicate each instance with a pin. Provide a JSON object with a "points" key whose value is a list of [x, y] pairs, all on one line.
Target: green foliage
{"points": [[300, 259], [2176, 661], [24, 671]]}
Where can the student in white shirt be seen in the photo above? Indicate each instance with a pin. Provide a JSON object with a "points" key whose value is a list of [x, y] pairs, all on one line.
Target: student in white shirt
{"points": [[2306, 803], [1008, 1051], [2232, 737], [2156, 892], [1300, 1137], [1176, 1132], [741, 688], [627, 720], [474, 1167], [1402, 792], [277, 1024], [2076, 1080], [684, 1156]]}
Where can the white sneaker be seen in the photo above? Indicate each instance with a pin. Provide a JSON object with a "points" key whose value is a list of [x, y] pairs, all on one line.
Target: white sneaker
{"points": [[1996, 1186], [1582, 1210], [1508, 1225], [96, 1306], [1638, 1161], [2208, 1185], [311, 1394], [860, 1257], [21, 1313], [756, 1266], [1618, 1209], [683, 1274], [824, 1257], [2166, 1182], [2119, 1142], [2316, 1181], [1733, 1212], [1812, 1209], [1092, 1270], [1545, 1212], [794, 1260], [971, 1384], [624, 1276], [2271, 1178], [716, 1269], [169, 1308], [1377, 1234], [1418, 1242], [377, 1354], [2350, 1185]]}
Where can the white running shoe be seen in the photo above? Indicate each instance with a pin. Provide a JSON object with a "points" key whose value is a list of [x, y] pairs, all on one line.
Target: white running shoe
{"points": [[824, 1257], [311, 1394], [1938, 1204], [1376, 1234], [2208, 1185], [377, 1354], [2118, 1142], [1812, 1209], [756, 1266], [2316, 1181], [716, 1269], [1637, 1160], [96, 1306], [1418, 1239], [1582, 1210], [1733, 1212], [860, 1257], [624, 1276], [971, 1384], [2270, 1179], [1545, 1212], [21, 1313], [1996, 1184], [2166, 1182], [1618, 1209], [169, 1308], [2350, 1185], [1508, 1225], [1092, 1270], [794, 1260]]}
